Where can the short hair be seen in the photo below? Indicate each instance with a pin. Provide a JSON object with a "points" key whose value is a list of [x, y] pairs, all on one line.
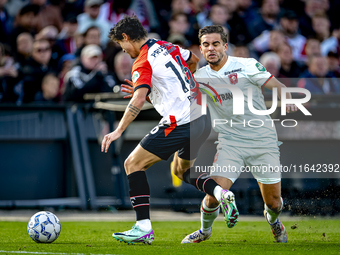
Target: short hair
{"points": [[267, 56], [281, 45], [91, 28], [212, 30], [131, 26], [48, 77], [29, 8]]}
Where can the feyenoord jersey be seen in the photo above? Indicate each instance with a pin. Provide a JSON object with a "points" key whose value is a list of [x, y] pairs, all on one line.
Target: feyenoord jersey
{"points": [[238, 129], [161, 67]]}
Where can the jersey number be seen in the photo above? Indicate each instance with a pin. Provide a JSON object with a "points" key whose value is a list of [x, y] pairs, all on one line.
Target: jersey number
{"points": [[186, 71]]}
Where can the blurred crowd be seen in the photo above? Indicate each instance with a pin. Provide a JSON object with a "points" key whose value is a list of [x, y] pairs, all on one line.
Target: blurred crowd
{"points": [[55, 51]]}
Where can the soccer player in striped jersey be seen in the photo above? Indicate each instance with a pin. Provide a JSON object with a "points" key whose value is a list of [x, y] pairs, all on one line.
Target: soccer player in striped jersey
{"points": [[239, 144], [161, 74]]}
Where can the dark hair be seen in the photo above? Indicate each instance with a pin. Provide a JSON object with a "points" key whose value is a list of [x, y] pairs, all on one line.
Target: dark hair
{"points": [[175, 15], [279, 47], [91, 28], [212, 30], [130, 26], [29, 8]]}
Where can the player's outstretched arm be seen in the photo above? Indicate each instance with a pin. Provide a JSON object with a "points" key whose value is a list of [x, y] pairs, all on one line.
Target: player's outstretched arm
{"points": [[192, 62], [131, 112], [274, 83]]}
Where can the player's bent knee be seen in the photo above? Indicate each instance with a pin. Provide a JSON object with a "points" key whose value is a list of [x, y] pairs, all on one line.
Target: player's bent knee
{"points": [[131, 165], [211, 201], [180, 168], [127, 165], [179, 172], [275, 205]]}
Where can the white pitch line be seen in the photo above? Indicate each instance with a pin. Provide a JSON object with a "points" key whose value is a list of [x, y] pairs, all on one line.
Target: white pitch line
{"points": [[57, 253]]}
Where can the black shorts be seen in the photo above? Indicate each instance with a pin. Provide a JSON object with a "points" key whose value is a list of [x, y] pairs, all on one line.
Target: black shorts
{"points": [[187, 139]]}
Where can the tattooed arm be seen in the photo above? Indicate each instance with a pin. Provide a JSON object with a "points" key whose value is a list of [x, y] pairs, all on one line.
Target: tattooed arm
{"points": [[131, 112]]}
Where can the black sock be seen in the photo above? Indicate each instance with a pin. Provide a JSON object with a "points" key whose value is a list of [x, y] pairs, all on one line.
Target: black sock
{"points": [[203, 182], [139, 194]]}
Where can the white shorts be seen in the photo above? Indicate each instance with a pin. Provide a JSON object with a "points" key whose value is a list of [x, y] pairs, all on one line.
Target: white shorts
{"points": [[262, 163]]}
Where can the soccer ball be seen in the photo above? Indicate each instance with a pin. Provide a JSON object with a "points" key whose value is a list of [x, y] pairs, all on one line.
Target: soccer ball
{"points": [[44, 227]]}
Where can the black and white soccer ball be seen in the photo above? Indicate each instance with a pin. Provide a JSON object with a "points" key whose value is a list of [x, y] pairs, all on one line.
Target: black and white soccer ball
{"points": [[44, 227]]}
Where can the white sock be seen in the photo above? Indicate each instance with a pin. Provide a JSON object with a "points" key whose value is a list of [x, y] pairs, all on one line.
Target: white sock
{"points": [[144, 225], [271, 215], [217, 193], [208, 215]]}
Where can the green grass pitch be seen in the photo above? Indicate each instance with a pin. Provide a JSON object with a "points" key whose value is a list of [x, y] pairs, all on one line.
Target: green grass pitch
{"points": [[251, 237]]}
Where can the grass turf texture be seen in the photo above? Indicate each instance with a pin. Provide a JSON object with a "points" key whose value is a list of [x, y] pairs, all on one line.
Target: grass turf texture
{"points": [[309, 237]]}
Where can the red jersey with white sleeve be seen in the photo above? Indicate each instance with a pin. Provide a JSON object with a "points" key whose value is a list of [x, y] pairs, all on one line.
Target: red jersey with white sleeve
{"points": [[161, 67]]}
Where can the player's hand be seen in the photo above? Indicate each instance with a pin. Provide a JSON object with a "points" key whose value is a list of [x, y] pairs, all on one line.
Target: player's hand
{"points": [[102, 67], [291, 108], [128, 88], [109, 138]]}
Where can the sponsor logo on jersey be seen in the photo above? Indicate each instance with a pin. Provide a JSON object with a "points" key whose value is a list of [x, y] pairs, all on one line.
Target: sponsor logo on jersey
{"points": [[233, 71], [233, 78], [260, 67], [224, 97], [135, 76]]}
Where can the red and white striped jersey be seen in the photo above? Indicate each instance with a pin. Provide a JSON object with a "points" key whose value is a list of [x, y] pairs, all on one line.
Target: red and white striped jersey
{"points": [[161, 67]]}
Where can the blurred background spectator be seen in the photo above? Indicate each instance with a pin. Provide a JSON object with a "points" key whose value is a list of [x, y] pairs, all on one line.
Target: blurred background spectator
{"points": [[271, 61], [312, 7], [90, 75], [267, 19], [35, 68], [8, 75], [91, 36], [122, 66], [289, 26], [332, 43], [218, 15], [321, 26], [67, 36], [333, 63], [90, 18], [295, 30], [49, 89], [289, 67], [48, 15], [50, 33], [65, 65], [312, 47], [5, 20], [239, 33], [179, 26], [318, 79], [112, 11], [24, 48], [241, 51], [24, 22]]}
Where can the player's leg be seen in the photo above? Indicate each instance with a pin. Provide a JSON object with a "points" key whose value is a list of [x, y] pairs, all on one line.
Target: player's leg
{"points": [[161, 142], [268, 177], [210, 209], [185, 158], [225, 156], [197, 133], [271, 194], [273, 204], [135, 165]]}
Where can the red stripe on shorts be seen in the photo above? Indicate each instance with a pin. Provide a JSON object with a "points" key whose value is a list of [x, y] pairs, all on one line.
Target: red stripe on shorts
{"points": [[172, 125]]}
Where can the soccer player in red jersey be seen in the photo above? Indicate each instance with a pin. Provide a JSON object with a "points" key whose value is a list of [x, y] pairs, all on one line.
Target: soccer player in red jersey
{"points": [[161, 74]]}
